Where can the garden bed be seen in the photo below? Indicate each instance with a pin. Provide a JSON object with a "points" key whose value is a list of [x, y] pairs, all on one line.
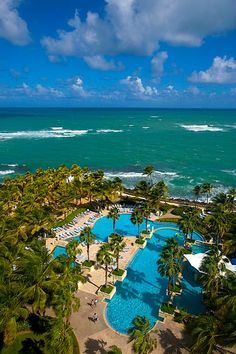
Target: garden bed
{"points": [[119, 274], [88, 265], [141, 243], [107, 292], [176, 289], [167, 309], [146, 234]]}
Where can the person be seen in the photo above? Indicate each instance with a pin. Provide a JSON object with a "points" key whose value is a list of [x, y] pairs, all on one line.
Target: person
{"points": [[92, 303], [95, 317], [95, 302]]}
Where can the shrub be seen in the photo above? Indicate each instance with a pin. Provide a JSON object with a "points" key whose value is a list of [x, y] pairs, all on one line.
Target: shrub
{"points": [[181, 210], [140, 241], [145, 232], [168, 308], [174, 220], [88, 263], [114, 350], [106, 289], [175, 288], [118, 272]]}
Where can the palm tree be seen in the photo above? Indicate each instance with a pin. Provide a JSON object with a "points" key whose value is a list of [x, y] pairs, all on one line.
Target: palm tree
{"points": [[213, 270], [211, 333], [64, 302], [137, 218], [197, 190], [169, 263], [157, 192], [143, 340], [146, 211], [224, 200], [117, 245], [72, 249], [204, 330], [142, 188], [148, 171], [87, 237], [114, 215], [188, 222], [219, 223], [118, 184], [226, 300], [207, 188], [104, 257], [35, 269], [59, 338], [232, 192]]}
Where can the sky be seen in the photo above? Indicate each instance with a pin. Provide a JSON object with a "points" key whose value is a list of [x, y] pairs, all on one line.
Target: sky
{"points": [[118, 53]]}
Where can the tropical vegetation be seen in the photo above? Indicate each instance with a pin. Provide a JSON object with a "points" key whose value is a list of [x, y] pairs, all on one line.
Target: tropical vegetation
{"points": [[142, 337]]}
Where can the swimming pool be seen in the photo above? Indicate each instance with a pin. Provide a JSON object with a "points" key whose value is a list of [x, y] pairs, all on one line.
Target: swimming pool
{"points": [[199, 248], [58, 251], [104, 227], [143, 290]]}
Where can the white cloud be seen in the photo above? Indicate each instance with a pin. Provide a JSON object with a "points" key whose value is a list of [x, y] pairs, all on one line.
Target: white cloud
{"points": [[137, 27], [12, 27], [136, 87], [98, 62], [77, 87], [38, 90], [44, 91], [157, 63], [222, 71]]}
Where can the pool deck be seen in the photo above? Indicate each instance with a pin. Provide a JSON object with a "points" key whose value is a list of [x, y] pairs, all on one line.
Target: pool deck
{"points": [[96, 337], [96, 278]]}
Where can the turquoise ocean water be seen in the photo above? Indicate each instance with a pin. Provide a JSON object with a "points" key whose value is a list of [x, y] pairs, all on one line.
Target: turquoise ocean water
{"points": [[186, 147]]}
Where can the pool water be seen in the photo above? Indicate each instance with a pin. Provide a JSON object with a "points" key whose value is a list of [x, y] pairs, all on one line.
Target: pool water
{"points": [[104, 227], [199, 248], [58, 251], [190, 298], [143, 290]]}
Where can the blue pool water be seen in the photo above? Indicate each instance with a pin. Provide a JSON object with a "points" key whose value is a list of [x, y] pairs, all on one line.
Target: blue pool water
{"points": [[104, 227], [198, 248], [143, 290], [58, 251], [190, 298]]}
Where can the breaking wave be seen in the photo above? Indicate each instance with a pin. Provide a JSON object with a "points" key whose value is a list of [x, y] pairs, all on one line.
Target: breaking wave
{"points": [[53, 132], [230, 172], [135, 176], [109, 130], [7, 172], [202, 128]]}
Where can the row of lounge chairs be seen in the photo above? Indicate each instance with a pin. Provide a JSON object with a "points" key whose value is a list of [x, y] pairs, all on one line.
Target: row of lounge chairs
{"points": [[66, 231]]}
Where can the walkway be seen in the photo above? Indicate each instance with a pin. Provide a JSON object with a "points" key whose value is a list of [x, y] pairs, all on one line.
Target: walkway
{"points": [[95, 338]]}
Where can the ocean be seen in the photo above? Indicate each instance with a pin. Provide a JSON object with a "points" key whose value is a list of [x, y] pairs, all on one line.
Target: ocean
{"points": [[185, 147]]}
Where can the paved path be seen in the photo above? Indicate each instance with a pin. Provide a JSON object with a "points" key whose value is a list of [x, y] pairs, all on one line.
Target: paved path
{"points": [[96, 338]]}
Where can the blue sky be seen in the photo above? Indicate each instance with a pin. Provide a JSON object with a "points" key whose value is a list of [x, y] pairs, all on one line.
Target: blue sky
{"points": [[152, 53]]}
